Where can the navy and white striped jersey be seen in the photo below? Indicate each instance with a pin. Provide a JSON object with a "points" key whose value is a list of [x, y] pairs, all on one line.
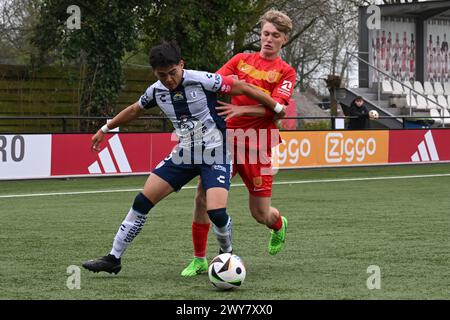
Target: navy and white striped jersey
{"points": [[192, 107]]}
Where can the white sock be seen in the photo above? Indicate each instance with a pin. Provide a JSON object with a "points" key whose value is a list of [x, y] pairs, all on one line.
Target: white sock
{"points": [[223, 236], [128, 230]]}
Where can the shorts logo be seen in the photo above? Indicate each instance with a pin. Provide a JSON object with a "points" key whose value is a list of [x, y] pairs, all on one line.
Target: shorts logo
{"points": [[220, 168], [221, 179], [257, 181]]}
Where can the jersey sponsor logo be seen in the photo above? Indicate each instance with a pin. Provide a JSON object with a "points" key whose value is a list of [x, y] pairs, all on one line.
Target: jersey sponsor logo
{"points": [[271, 76], [187, 124], [286, 88], [178, 96], [191, 131], [287, 85]]}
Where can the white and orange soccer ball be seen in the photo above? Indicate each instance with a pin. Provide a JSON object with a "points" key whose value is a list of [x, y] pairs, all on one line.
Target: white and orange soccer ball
{"points": [[226, 271]]}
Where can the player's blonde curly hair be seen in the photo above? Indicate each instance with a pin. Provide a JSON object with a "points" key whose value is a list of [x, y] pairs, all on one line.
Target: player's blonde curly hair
{"points": [[280, 20]]}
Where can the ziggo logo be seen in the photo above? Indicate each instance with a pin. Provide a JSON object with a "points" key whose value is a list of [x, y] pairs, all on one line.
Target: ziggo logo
{"points": [[337, 148], [292, 150]]}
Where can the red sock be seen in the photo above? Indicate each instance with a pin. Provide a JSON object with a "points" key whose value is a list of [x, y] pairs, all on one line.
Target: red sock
{"points": [[278, 224], [200, 238]]}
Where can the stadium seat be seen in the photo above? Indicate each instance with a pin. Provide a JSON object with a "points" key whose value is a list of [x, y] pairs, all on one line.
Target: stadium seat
{"points": [[438, 89], [421, 102], [407, 84], [411, 102], [434, 114], [397, 88], [386, 87], [446, 114], [418, 87], [428, 88], [431, 102], [447, 88], [442, 101]]}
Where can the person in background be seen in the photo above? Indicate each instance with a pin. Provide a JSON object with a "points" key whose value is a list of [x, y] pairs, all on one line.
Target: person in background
{"points": [[360, 114]]}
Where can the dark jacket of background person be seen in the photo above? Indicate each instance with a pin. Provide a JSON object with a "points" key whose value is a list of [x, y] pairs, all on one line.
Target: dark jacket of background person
{"points": [[362, 122]]}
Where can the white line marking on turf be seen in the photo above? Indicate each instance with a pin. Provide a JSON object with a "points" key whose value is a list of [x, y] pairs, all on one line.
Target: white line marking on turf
{"points": [[233, 185]]}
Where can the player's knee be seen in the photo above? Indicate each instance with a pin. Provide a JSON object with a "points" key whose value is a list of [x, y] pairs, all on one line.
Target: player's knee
{"points": [[219, 217], [142, 204]]}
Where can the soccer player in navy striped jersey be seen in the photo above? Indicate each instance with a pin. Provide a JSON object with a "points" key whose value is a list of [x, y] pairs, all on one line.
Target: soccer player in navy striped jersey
{"points": [[189, 99]]}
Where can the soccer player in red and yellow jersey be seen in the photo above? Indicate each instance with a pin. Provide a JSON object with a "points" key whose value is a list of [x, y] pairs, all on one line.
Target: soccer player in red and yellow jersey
{"points": [[267, 71]]}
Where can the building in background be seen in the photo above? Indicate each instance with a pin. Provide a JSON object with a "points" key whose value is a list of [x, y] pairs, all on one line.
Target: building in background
{"points": [[411, 44]]}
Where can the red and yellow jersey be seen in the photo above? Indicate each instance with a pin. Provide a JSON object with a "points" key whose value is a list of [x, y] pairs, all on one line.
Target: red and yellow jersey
{"points": [[274, 77]]}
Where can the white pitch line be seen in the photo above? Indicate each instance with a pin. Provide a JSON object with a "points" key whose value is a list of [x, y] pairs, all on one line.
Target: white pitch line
{"points": [[233, 185]]}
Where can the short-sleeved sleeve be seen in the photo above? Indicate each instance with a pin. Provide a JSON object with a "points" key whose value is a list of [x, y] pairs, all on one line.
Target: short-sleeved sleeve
{"points": [[285, 87], [209, 81], [214, 82], [230, 67], [147, 100]]}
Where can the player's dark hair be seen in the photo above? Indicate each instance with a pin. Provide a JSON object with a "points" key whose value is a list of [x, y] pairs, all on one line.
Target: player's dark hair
{"points": [[165, 55]]}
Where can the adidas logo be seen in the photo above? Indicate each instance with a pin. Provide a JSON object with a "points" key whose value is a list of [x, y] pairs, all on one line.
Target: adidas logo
{"points": [[426, 150], [108, 165]]}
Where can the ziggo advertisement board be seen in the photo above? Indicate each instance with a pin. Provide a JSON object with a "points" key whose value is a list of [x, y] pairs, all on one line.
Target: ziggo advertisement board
{"points": [[303, 149], [31, 156], [331, 148]]}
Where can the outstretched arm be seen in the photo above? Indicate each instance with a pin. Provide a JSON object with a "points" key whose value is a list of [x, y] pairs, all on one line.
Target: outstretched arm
{"points": [[243, 88], [126, 115], [229, 110]]}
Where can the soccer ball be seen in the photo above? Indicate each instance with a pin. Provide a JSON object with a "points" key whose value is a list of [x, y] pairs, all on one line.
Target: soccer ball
{"points": [[373, 114], [226, 271]]}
